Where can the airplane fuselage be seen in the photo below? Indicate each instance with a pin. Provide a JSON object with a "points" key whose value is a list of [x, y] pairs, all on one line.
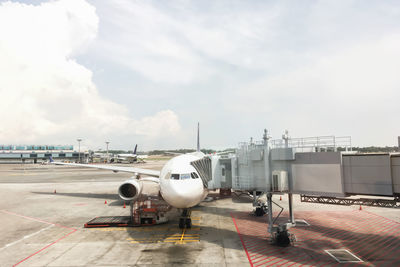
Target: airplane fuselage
{"points": [[180, 184]]}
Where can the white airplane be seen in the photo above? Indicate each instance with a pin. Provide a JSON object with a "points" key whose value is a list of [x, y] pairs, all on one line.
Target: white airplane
{"points": [[180, 185], [130, 157]]}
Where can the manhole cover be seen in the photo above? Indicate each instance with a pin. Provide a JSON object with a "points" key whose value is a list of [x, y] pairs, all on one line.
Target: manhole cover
{"points": [[301, 223], [343, 255]]}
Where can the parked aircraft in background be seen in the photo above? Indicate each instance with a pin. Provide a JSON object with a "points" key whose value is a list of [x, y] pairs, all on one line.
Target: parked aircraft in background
{"points": [[129, 157]]}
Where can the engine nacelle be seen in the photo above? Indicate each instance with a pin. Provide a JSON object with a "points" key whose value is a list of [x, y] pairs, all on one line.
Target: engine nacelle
{"points": [[130, 190]]}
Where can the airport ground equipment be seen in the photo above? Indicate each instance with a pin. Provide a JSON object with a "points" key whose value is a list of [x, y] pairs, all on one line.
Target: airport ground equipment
{"points": [[143, 212], [312, 167]]}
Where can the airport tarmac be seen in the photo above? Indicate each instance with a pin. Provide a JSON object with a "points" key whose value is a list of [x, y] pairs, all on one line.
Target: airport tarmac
{"points": [[43, 209]]}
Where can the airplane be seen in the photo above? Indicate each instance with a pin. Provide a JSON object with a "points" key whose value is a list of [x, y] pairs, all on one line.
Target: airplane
{"points": [[130, 157], [180, 185]]}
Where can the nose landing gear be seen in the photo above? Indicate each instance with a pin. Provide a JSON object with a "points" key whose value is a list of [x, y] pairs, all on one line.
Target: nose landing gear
{"points": [[185, 221]]}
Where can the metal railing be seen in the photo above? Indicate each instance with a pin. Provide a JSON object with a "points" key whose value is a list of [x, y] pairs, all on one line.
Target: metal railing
{"points": [[317, 143]]}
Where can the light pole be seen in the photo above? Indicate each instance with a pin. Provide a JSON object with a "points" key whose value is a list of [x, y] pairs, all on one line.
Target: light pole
{"points": [[79, 151], [107, 142]]}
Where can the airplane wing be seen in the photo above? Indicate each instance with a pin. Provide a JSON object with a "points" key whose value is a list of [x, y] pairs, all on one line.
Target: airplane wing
{"points": [[152, 173]]}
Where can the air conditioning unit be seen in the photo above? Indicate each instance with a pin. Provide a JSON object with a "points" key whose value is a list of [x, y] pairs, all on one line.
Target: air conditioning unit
{"points": [[279, 181]]}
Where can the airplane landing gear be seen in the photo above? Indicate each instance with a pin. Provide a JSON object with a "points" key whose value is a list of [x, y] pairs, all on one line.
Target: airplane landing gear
{"points": [[185, 221]]}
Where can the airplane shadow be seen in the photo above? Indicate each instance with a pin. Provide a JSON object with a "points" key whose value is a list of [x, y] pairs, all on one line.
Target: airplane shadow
{"points": [[82, 195]]}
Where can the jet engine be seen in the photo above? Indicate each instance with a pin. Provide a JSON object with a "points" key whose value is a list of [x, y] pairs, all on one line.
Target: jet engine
{"points": [[130, 190]]}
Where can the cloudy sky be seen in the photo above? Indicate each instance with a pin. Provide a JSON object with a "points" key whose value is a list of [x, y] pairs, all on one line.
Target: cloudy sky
{"points": [[146, 71]]}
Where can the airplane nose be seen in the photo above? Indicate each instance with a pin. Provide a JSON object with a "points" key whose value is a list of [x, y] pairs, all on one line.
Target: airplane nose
{"points": [[183, 195]]}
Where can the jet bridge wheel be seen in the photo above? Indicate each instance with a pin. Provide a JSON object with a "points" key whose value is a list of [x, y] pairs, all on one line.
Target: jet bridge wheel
{"points": [[282, 239], [259, 211]]}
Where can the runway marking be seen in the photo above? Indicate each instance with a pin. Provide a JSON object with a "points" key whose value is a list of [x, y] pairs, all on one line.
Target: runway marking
{"points": [[42, 221], [26, 237], [168, 234]]}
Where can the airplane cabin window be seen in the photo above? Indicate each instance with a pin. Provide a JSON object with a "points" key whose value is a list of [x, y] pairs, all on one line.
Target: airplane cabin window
{"points": [[175, 176], [185, 176], [194, 175]]}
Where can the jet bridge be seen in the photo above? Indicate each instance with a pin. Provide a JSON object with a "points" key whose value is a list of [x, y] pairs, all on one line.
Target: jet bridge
{"points": [[312, 167]]}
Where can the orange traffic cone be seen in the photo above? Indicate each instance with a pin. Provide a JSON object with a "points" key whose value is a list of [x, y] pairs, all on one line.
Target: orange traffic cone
{"points": [[124, 205], [280, 198], [360, 208], [55, 192], [105, 202]]}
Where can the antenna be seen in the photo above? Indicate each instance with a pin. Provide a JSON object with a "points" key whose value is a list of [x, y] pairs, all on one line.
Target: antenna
{"points": [[198, 137]]}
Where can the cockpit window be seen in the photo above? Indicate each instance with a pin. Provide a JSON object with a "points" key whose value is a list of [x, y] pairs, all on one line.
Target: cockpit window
{"points": [[175, 176], [194, 175], [185, 176]]}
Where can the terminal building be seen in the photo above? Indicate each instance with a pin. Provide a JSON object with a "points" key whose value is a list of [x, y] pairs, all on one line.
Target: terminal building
{"points": [[40, 153]]}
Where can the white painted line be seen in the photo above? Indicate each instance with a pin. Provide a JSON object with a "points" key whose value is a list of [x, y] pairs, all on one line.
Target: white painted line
{"points": [[333, 250], [301, 221], [26, 237]]}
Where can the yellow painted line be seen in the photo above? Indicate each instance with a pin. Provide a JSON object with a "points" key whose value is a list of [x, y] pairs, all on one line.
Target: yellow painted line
{"points": [[144, 239], [180, 242], [180, 234], [177, 238], [183, 233]]}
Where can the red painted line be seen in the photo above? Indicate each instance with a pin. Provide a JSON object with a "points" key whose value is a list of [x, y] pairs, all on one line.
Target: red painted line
{"points": [[333, 232], [374, 239], [241, 240], [73, 231], [284, 259], [338, 232], [352, 230], [264, 262], [255, 245], [35, 219], [259, 249], [299, 259], [339, 242], [389, 241], [42, 221], [274, 255], [382, 217], [259, 256]]}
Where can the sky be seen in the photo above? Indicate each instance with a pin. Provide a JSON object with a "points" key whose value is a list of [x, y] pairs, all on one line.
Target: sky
{"points": [[145, 72]]}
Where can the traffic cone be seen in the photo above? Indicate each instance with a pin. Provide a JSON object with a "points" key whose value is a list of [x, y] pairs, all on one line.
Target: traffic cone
{"points": [[124, 205], [105, 202], [280, 198], [55, 192], [360, 208]]}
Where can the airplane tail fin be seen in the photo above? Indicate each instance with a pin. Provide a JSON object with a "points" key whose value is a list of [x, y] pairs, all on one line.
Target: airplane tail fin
{"points": [[198, 137], [134, 151], [51, 159]]}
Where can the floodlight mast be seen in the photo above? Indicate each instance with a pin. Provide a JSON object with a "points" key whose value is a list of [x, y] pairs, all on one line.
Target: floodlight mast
{"points": [[79, 149], [107, 142]]}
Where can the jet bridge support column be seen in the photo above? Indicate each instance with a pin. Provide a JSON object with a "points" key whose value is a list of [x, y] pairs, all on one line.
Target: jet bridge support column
{"points": [[270, 221], [290, 198]]}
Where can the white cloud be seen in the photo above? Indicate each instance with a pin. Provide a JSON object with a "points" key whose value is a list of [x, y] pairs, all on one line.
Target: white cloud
{"points": [[354, 91], [46, 95]]}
